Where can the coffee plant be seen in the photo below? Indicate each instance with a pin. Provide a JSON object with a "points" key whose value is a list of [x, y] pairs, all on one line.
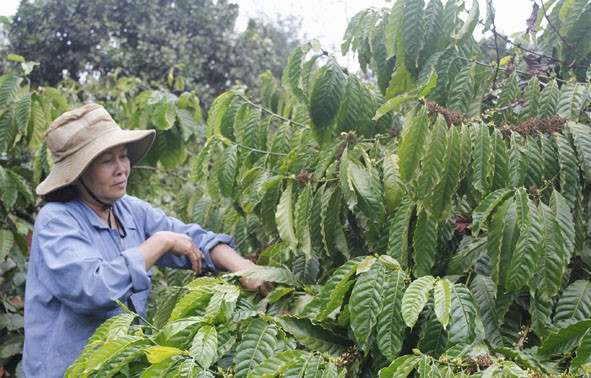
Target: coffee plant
{"points": [[432, 223]]}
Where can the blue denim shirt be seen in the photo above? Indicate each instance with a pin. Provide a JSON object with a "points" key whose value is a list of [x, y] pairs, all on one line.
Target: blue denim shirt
{"points": [[78, 267]]}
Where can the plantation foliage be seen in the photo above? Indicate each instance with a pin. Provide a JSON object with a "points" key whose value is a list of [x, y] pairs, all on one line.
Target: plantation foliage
{"points": [[435, 223]]}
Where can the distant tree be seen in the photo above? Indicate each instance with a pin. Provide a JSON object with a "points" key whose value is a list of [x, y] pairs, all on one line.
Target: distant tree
{"points": [[146, 38]]}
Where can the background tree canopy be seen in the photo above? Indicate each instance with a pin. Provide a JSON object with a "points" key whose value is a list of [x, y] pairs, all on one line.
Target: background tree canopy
{"points": [[146, 38]]}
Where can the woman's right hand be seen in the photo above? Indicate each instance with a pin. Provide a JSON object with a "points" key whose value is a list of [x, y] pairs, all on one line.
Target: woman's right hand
{"points": [[178, 244]]}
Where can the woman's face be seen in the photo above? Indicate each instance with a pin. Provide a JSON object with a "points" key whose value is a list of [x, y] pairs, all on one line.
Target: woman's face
{"points": [[107, 175]]}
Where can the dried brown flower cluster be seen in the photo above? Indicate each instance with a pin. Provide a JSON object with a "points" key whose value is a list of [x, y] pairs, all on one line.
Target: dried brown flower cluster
{"points": [[304, 178], [450, 116], [534, 126], [463, 223]]}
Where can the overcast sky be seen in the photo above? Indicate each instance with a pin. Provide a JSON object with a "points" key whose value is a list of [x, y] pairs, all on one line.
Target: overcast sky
{"points": [[327, 20]]}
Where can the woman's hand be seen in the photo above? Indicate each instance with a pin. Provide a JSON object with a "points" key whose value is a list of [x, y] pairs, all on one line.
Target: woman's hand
{"points": [[183, 245], [224, 257], [178, 244], [256, 284]]}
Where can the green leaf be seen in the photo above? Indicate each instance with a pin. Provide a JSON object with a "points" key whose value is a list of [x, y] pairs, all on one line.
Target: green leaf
{"points": [[572, 100], [433, 162], [314, 336], [346, 181], [526, 254], [483, 156], [248, 127], [217, 111], [6, 243], [531, 97], [575, 303], [463, 318], [170, 148], [486, 207], [468, 28], [112, 328], [23, 111], [535, 164], [390, 324], [400, 367], [365, 303], [401, 82], [112, 348], [582, 138], [328, 87], [9, 189], [424, 244], [399, 233], [22, 187], [501, 240], [441, 202], [356, 109], [292, 73], [501, 161], [510, 92], [194, 301], [8, 88], [540, 310], [165, 303], [410, 152], [552, 264], [332, 294], [352, 30], [204, 346], [302, 221], [565, 221], [330, 218], [393, 185], [392, 105], [227, 173], [412, 31], [415, 298], [433, 19], [269, 273], [257, 344], [565, 339], [369, 193], [11, 346], [583, 352], [433, 337], [158, 353], [306, 269], [549, 100], [462, 89], [442, 296], [8, 131], [483, 289], [569, 170], [426, 87], [277, 364], [469, 252], [284, 218], [37, 126], [164, 116]]}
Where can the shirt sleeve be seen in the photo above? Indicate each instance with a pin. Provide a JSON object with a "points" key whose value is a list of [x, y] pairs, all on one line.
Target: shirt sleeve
{"points": [[156, 220], [74, 270]]}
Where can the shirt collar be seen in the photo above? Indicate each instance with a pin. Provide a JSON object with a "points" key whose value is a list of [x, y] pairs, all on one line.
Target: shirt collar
{"points": [[122, 212]]}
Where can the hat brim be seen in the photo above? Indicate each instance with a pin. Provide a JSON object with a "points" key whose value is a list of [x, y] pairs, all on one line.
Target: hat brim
{"points": [[66, 171]]}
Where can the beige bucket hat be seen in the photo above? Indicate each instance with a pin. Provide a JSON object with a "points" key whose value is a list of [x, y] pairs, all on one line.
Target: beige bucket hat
{"points": [[78, 136]]}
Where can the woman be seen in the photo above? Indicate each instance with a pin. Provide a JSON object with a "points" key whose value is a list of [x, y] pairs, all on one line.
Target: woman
{"points": [[93, 244]]}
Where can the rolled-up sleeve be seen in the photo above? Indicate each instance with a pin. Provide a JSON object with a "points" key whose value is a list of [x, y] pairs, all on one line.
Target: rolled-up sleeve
{"points": [[137, 269], [81, 275], [156, 220]]}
